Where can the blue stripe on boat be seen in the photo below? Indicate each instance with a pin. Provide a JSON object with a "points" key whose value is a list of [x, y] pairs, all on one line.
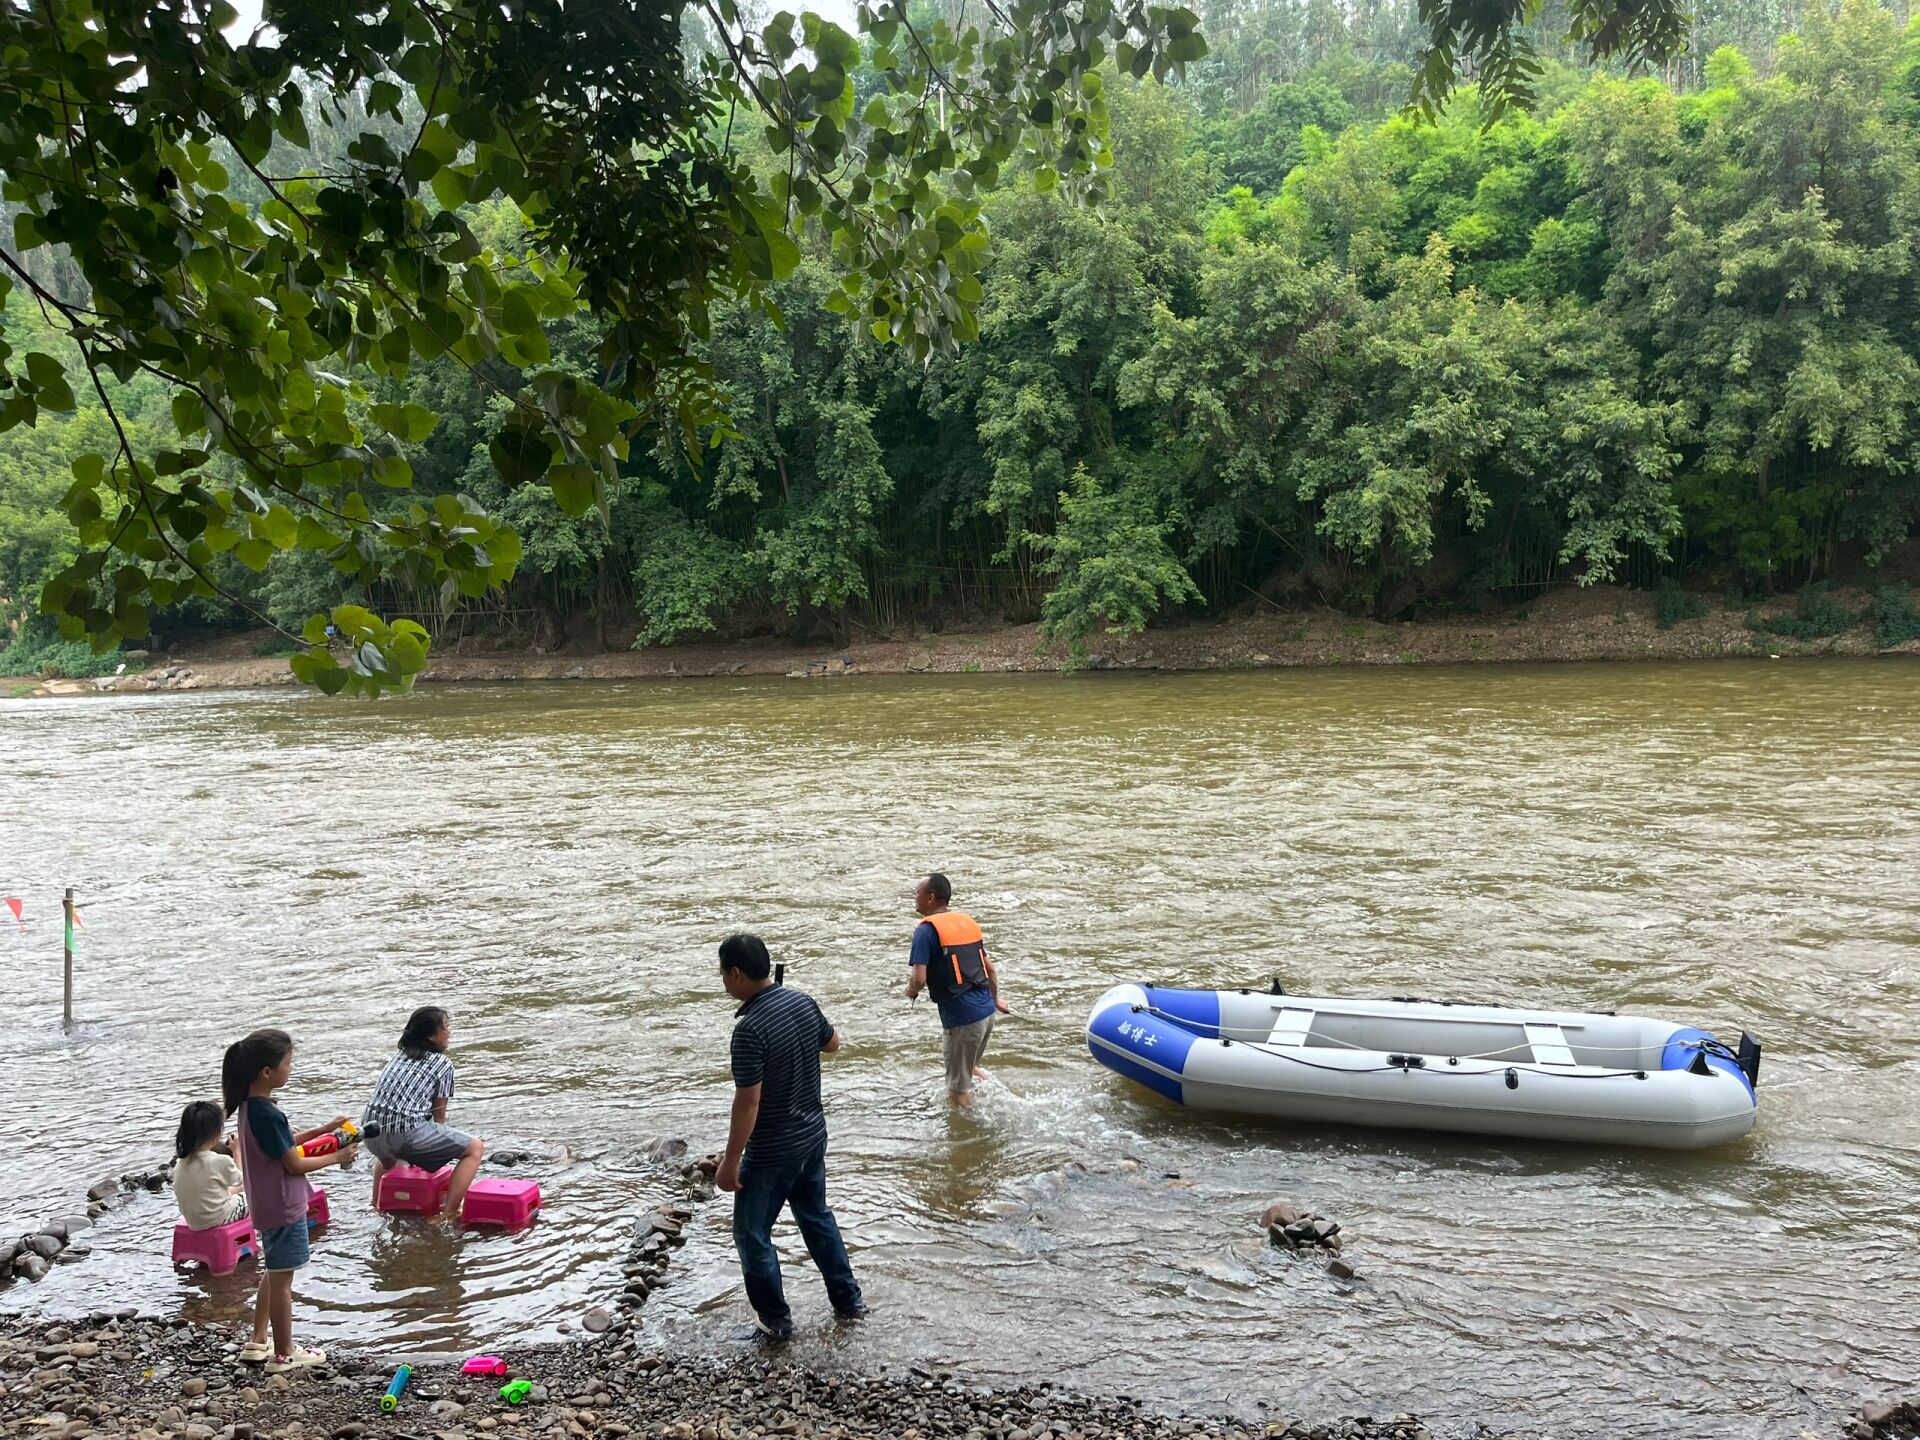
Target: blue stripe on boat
{"points": [[1131, 1036], [1684, 1044], [1200, 1008]]}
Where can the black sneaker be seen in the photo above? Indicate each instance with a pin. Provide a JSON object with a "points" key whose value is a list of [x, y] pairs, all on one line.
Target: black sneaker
{"points": [[767, 1334], [853, 1312]]}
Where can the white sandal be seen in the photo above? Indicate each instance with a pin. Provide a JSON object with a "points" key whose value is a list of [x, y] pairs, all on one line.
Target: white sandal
{"points": [[300, 1360], [256, 1352]]}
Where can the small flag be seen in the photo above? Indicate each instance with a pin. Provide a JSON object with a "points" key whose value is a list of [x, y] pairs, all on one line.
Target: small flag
{"points": [[75, 912], [14, 905]]}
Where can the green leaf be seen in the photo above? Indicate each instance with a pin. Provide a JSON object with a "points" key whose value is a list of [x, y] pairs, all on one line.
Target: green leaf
{"points": [[520, 454], [392, 471], [409, 422], [278, 527], [573, 488]]}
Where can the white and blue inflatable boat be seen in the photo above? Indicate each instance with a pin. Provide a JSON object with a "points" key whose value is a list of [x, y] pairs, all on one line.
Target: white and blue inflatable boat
{"points": [[1431, 1065]]}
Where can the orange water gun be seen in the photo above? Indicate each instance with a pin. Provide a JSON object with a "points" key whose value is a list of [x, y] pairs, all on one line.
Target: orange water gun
{"points": [[347, 1134]]}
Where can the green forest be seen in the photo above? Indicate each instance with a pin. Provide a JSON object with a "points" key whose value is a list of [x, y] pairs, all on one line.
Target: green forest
{"points": [[1310, 348]]}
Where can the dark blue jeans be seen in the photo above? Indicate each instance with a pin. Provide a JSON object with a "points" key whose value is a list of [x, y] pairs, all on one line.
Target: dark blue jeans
{"points": [[800, 1185]]}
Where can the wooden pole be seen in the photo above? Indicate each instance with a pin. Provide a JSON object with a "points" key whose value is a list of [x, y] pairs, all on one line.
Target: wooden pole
{"points": [[67, 1009]]}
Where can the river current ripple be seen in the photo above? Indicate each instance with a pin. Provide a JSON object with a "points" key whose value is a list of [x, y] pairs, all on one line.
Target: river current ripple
{"points": [[1732, 844]]}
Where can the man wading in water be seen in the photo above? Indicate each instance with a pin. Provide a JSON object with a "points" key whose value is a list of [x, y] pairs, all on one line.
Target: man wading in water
{"points": [[776, 1153], [950, 962]]}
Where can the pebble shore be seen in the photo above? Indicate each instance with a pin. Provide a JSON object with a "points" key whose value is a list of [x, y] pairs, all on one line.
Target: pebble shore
{"points": [[122, 1375]]}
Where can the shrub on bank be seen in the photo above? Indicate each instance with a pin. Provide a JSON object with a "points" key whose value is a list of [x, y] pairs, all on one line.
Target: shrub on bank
{"points": [[1673, 604], [1896, 619], [1816, 616], [61, 659]]}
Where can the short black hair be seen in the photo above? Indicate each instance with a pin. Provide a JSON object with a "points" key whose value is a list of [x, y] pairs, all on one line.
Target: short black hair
{"points": [[747, 954], [941, 887], [422, 1026]]}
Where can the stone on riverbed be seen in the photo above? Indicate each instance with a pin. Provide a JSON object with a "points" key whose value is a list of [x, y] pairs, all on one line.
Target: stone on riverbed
{"points": [[1888, 1420], [1290, 1228]]}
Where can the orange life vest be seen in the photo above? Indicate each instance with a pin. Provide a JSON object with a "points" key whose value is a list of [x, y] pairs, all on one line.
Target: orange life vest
{"points": [[962, 962]]}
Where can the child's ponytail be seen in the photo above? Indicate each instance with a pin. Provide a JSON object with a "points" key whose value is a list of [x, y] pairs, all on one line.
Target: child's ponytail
{"points": [[199, 1123], [246, 1058]]}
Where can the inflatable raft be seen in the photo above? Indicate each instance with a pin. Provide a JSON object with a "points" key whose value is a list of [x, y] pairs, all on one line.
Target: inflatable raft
{"points": [[1431, 1065]]}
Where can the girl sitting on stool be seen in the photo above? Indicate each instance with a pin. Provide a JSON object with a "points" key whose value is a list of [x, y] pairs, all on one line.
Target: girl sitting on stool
{"points": [[409, 1105]]}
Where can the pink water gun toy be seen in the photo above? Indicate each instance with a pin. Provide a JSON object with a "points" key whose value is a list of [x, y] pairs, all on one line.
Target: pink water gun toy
{"points": [[484, 1365]]}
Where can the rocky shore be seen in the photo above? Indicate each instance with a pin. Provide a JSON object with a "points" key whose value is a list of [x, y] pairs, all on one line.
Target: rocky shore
{"points": [[121, 1375], [1599, 623]]}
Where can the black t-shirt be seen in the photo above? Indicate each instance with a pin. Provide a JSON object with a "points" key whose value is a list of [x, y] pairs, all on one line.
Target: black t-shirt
{"points": [[777, 1039]]}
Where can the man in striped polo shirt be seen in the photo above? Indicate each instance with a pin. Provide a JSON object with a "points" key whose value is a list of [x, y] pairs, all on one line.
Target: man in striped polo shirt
{"points": [[776, 1152]]}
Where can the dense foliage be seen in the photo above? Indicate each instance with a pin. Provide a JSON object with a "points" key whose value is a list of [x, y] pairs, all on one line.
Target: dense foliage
{"points": [[1308, 346]]}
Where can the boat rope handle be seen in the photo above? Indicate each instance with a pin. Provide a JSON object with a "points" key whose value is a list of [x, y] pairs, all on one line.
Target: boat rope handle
{"points": [[1333, 1042]]}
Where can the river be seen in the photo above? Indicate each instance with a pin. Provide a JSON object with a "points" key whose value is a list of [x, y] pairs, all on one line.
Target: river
{"points": [[1733, 844]]}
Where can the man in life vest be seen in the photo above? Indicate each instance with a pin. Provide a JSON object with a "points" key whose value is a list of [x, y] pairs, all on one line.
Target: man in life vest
{"points": [[950, 962]]}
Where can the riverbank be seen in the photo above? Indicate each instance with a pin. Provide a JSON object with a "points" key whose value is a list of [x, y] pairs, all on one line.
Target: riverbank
{"points": [[120, 1375], [1600, 623]]}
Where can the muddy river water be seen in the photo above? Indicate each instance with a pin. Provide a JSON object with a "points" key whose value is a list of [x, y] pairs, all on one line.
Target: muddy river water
{"points": [[1733, 844]]}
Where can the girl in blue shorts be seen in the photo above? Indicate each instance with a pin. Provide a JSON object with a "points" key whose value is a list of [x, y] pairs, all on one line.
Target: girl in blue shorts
{"points": [[274, 1173], [409, 1105]]}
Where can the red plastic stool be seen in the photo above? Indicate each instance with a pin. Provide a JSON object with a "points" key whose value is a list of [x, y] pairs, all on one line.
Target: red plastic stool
{"points": [[407, 1189], [219, 1249], [501, 1202]]}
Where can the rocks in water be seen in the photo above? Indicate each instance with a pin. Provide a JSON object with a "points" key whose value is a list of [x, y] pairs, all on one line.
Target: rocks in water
{"points": [[1279, 1213], [103, 1189], [666, 1150], [29, 1266], [1295, 1230], [597, 1321], [1290, 1228], [1887, 1420], [45, 1244]]}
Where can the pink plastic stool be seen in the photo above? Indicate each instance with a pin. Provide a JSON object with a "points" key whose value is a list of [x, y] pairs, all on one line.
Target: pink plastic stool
{"points": [[501, 1202], [318, 1211], [219, 1249], [407, 1189]]}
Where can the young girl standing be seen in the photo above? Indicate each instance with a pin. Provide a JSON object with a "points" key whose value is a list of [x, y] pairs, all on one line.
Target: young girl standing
{"points": [[409, 1105], [276, 1184], [205, 1182]]}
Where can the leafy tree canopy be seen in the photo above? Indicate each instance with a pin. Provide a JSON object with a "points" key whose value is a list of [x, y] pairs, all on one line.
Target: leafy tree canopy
{"points": [[265, 275], [125, 125]]}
